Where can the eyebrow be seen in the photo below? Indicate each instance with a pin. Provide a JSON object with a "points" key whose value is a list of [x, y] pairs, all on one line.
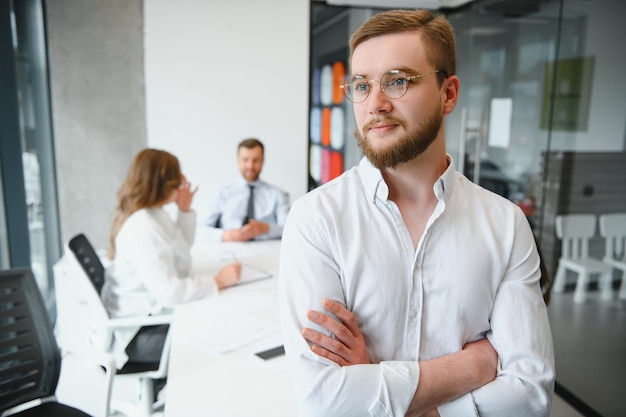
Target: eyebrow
{"points": [[409, 71]]}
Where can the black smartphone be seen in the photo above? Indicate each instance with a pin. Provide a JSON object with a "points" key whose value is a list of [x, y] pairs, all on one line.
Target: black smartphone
{"points": [[270, 353]]}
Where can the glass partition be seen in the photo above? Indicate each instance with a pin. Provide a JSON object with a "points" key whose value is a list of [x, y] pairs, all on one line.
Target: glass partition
{"points": [[541, 120], [31, 73]]}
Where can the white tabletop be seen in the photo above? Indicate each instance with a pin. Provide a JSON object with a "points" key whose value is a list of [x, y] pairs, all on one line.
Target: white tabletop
{"points": [[204, 382]]}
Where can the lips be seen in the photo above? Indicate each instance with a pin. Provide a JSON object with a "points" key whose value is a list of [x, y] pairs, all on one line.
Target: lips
{"points": [[378, 126], [381, 126]]}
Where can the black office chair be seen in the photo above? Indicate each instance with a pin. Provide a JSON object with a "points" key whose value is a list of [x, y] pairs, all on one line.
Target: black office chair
{"points": [[30, 361], [150, 374], [88, 258]]}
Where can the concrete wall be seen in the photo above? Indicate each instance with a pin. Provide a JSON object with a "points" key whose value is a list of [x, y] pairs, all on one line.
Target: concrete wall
{"points": [[95, 52]]}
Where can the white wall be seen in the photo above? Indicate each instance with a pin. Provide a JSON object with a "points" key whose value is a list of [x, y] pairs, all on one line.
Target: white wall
{"points": [[218, 72]]}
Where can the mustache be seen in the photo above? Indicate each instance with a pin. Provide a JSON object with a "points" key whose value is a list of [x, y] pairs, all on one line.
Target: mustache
{"points": [[384, 120]]}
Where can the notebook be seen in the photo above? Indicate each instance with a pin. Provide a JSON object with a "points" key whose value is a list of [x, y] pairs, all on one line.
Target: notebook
{"points": [[252, 274]]}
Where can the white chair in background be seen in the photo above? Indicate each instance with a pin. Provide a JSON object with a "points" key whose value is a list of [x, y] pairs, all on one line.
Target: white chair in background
{"points": [[613, 230], [575, 232], [81, 286]]}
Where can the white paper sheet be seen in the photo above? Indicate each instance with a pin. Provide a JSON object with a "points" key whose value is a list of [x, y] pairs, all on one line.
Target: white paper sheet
{"points": [[233, 333]]}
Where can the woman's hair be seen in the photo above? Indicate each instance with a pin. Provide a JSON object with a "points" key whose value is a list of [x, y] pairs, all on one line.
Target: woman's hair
{"points": [[151, 179], [437, 35]]}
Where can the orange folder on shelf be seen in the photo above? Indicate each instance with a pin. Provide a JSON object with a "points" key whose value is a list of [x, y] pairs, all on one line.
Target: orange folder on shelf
{"points": [[326, 126], [339, 75]]}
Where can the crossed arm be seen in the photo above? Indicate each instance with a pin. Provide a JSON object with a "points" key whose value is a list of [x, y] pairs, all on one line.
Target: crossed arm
{"points": [[441, 379]]}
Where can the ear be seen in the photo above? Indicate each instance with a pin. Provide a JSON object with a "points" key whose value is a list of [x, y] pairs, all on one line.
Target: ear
{"points": [[450, 91]]}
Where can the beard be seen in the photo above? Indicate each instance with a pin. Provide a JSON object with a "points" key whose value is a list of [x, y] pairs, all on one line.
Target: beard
{"points": [[404, 149]]}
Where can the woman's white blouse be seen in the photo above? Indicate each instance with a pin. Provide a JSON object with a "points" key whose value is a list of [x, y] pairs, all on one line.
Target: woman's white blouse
{"points": [[151, 271]]}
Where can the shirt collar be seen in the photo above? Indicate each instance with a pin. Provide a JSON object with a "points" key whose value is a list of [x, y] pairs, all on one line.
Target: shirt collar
{"points": [[242, 182], [375, 186], [444, 185]]}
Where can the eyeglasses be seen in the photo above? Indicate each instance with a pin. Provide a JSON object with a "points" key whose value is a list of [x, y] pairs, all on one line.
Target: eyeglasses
{"points": [[394, 84]]}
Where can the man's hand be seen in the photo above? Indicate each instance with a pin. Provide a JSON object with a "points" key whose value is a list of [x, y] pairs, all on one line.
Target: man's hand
{"points": [[246, 232], [255, 228], [236, 235], [348, 347]]}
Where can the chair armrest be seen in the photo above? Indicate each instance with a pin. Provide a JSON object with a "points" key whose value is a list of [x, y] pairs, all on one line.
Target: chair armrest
{"points": [[98, 357], [122, 322], [104, 361]]}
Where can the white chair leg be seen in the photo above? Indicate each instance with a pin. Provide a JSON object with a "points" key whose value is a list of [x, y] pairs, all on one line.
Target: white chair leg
{"points": [[580, 293], [559, 280], [622, 288], [146, 397], [606, 285]]}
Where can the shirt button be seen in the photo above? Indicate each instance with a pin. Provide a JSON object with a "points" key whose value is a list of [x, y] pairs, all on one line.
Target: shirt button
{"points": [[412, 314]]}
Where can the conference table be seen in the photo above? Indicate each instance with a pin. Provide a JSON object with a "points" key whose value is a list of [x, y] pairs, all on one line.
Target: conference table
{"points": [[213, 367]]}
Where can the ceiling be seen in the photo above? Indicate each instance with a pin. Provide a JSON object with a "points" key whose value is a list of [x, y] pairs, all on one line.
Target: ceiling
{"points": [[391, 4]]}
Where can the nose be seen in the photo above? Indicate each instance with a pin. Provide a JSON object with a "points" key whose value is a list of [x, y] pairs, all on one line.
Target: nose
{"points": [[377, 101]]}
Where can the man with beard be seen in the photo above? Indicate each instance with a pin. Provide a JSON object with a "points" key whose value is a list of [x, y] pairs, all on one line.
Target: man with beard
{"points": [[248, 208], [406, 289]]}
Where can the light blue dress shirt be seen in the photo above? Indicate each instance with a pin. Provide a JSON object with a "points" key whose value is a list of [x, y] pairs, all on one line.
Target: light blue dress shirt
{"points": [[228, 207], [474, 274]]}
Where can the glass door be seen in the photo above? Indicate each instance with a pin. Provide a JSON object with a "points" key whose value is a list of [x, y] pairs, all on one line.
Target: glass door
{"points": [[499, 132]]}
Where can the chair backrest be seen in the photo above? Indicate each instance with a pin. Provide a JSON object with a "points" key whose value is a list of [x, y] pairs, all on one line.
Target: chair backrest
{"points": [[88, 258], [30, 361], [99, 335], [613, 230], [575, 230]]}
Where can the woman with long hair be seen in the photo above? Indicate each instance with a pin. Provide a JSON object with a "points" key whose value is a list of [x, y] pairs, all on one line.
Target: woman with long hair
{"points": [[150, 270]]}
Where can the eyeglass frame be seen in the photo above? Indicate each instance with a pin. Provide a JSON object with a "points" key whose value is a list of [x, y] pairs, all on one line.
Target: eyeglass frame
{"points": [[408, 79]]}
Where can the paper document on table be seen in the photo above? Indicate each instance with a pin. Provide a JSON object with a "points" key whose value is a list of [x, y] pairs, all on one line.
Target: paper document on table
{"points": [[233, 333], [252, 274]]}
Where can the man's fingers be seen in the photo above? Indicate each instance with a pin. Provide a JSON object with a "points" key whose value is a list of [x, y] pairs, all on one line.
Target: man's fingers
{"points": [[326, 346], [329, 355], [343, 314], [333, 326]]}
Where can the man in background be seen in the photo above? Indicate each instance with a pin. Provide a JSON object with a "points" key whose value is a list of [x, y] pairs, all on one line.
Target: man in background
{"points": [[248, 208]]}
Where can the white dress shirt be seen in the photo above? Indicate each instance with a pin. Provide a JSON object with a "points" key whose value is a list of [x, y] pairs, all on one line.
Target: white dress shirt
{"points": [[475, 273], [151, 270], [227, 209]]}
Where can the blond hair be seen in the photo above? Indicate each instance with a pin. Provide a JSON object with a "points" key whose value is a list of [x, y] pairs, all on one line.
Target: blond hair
{"points": [[151, 180]]}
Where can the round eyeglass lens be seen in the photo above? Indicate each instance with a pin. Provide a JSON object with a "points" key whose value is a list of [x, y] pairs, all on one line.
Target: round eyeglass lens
{"points": [[394, 84]]}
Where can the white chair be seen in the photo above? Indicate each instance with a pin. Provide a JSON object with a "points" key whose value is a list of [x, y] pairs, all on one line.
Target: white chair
{"points": [[613, 230], [575, 231], [86, 283]]}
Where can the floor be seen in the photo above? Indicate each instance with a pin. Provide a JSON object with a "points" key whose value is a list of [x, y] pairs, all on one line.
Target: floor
{"points": [[590, 350]]}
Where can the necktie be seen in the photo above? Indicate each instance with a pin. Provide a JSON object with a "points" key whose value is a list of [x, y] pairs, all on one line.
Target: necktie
{"points": [[250, 212]]}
